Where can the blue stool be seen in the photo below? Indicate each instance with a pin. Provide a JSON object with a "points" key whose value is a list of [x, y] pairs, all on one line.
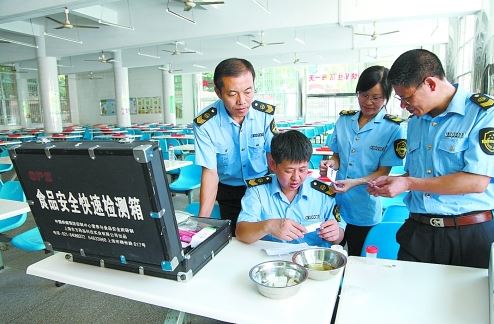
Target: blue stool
{"points": [[29, 240]]}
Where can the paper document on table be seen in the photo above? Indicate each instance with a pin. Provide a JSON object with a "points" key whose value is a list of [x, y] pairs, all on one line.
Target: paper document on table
{"points": [[286, 248]]}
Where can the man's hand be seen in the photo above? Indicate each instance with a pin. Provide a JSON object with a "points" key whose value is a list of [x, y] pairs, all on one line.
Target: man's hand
{"points": [[388, 186], [330, 231], [324, 165], [286, 229]]}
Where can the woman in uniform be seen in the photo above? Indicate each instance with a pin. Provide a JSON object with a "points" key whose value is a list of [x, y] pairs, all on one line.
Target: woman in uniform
{"points": [[366, 144]]}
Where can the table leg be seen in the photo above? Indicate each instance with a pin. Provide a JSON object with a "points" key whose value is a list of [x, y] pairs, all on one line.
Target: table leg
{"points": [[176, 317]]}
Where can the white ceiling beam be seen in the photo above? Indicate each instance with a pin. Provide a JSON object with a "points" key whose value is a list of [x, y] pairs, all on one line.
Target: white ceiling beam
{"points": [[27, 9], [359, 11]]}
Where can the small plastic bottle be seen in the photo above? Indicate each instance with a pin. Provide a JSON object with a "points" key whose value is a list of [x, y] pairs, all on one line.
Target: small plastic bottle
{"points": [[371, 251], [171, 153]]}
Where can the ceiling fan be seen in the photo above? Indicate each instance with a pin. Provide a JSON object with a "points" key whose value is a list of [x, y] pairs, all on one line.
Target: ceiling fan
{"points": [[177, 51], [66, 24], [191, 4], [262, 43], [375, 34], [297, 60], [103, 59], [168, 68]]}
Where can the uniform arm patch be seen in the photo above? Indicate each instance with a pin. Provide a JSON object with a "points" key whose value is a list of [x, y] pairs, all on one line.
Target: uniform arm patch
{"points": [[259, 181], [264, 107], [323, 187], [205, 116], [273, 127], [336, 213], [400, 146], [486, 140], [393, 118], [482, 100], [348, 112]]}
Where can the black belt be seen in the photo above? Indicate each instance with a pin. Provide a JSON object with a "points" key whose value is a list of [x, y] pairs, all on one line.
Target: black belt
{"points": [[460, 220]]}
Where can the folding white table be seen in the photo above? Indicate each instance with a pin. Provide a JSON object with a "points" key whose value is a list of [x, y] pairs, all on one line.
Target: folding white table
{"points": [[221, 290], [390, 291]]}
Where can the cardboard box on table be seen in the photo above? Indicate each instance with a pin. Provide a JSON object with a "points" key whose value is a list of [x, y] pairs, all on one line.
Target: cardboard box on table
{"points": [[108, 204]]}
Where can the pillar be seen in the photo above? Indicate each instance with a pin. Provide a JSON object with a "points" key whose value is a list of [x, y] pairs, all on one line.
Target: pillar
{"points": [[48, 88], [122, 104], [169, 113]]}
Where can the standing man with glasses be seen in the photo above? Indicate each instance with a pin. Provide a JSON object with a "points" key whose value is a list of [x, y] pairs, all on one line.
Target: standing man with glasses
{"points": [[449, 166], [232, 139], [366, 144]]}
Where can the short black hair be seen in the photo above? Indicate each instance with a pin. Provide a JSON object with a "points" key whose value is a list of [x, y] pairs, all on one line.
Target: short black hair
{"points": [[372, 76], [231, 67], [291, 146], [412, 67]]}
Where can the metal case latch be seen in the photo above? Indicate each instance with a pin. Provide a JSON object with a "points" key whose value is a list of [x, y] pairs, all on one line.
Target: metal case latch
{"points": [[47, 151], [143, 153], [169, 265]]}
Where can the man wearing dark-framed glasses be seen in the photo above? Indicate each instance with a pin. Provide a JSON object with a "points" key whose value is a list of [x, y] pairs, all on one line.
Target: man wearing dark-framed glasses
{"points": [[450, 162]]}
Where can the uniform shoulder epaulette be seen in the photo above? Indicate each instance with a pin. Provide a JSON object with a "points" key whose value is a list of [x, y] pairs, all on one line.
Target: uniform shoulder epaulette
{"points": [[348, 112], [482, 100], [393, 118], [259, 181], [205, 116], [264, 107], [323, 187]]}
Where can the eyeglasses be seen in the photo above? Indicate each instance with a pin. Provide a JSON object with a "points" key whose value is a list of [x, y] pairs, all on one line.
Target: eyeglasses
{"points": [[406, 100], [364, 96]]}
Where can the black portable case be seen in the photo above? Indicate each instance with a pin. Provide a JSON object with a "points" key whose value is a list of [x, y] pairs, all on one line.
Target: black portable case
{"points": [[108, 204]]}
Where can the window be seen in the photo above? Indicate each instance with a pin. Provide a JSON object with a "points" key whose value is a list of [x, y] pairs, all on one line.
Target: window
{"points": [[63, 88], [464, 65], [33, 101], [179, 99], [9, 107]]}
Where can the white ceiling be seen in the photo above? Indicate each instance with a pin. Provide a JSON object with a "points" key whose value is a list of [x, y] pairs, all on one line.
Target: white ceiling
{"points": [[325, 26]]}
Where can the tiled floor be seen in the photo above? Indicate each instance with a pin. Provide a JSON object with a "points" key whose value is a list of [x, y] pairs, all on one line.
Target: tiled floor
{"points": [[29, 299]]}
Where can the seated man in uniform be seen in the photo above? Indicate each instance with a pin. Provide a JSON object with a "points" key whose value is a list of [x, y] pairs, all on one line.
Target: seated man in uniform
{"points": [[282, 206]]}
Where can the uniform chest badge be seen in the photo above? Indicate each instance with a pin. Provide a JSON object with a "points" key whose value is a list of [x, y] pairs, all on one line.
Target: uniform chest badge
{"points": [[205, 116], [486, 140], [400, 146], [259, 181], [323, 187]]}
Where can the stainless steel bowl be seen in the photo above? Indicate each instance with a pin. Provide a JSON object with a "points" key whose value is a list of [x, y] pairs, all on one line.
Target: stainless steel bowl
{"points": [[321, 263], [278, 279]]}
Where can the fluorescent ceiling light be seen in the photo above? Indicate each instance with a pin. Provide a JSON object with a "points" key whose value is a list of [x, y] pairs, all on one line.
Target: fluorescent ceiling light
{"points": [[148, 55], [180, 16], [17, 42], [107, 23], [262, 6], [27, 68], [239, 43], [276, 61], [63, 38], [299, 40], [199, 66]]}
